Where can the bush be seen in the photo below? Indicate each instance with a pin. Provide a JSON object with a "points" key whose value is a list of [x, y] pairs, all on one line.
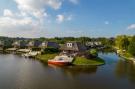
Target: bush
{"points": [[36, 49], [50, 50], [93, 52], [131, 48]]}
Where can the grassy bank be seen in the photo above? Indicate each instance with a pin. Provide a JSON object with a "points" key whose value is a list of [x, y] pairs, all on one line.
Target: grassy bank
{"points": [[84, 61], [126, 56], [46, 57], [77, 60]]}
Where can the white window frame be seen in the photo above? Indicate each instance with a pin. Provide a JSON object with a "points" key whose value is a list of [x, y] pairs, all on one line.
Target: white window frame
{"points": [[69, 44]]}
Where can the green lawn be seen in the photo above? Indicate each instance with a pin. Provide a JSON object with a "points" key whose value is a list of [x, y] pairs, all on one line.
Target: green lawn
{"points": [[84, 61], [46, 57], [77, 60]]}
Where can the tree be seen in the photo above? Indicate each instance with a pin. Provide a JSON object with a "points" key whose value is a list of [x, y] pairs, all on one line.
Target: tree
{"points": [[122, 42], [131, 48], [94, 52], [83, 40]]}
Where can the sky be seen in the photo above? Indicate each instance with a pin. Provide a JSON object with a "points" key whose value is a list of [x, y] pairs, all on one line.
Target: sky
{"points": [[63, 18]]}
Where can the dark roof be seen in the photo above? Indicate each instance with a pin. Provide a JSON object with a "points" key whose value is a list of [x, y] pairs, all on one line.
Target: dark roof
{"points": [[76, 46], [50, 44], [19, 43], [34, 43]]}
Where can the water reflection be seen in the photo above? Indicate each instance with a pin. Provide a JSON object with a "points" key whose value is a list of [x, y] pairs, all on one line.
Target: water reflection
{"points": [[125, 69], [21, 73], [76, 70]]}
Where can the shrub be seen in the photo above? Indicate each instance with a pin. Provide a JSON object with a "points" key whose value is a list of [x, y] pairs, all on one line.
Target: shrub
{"points": [[50, 50], [36, 49], [93, 52], [131, 48]]}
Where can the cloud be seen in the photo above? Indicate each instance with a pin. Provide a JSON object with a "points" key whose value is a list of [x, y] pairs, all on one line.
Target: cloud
{"points": [[69, 18], [74, 1], [106, 22], [31, 18], [7, 12], [37, 8], [60, 18], [34, 5], [131, 27]]}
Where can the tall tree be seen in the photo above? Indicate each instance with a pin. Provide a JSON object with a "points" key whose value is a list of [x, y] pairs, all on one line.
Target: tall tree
{"points": [[122, 42]]}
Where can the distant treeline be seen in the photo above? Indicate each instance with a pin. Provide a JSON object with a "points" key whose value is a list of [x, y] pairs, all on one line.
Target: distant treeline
{"points": [[60, 40], [126, 43]]}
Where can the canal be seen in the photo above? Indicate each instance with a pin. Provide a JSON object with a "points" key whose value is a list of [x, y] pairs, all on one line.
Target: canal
{"points": [[20, 73]]}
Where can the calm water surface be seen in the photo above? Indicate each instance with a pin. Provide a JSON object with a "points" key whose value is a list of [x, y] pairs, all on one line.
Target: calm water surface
{"points": [[20, 73]]}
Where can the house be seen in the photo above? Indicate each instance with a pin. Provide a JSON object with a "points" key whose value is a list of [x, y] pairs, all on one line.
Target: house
{"points": [[73, 48], [19, 44], [92, 44], [47, 44], [34, 44], [1, 43], [97, 43]]}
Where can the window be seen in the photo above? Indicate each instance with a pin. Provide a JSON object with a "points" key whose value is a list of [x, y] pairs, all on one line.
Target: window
{"points": [[69, 44]]}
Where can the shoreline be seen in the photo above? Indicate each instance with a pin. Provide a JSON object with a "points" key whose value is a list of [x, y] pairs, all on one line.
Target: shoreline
{"points": [[79, 61], [125, 57]]}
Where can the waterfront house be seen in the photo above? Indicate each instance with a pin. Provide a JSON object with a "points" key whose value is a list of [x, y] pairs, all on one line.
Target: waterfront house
{"points": [[19, 44], [34, 44], [47, 44], [73, 48], [90, 44], [1, 43], [93, 44]]}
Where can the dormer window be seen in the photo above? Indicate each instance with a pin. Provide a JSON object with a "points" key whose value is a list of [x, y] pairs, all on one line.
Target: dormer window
{"points": [[69, 44]]}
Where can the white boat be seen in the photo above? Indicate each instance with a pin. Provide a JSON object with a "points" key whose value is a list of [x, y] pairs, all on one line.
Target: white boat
{"points": [[61, 60], [31, 54]]}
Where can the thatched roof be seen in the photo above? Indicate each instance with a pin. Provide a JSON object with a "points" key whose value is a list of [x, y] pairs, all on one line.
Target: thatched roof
{"points": [[76, 46]]}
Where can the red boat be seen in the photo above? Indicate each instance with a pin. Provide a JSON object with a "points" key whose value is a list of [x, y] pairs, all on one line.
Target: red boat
{"points": [[61, 60]]}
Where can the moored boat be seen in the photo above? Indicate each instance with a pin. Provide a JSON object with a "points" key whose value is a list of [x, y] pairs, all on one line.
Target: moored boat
{"points": [[61, 60]]}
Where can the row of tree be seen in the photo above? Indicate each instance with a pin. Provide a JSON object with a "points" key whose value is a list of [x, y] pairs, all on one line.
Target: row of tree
{"points": [[60, 40], [126, 43]]}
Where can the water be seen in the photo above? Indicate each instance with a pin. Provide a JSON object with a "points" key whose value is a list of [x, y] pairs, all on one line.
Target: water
{"points": [[20, 73]]}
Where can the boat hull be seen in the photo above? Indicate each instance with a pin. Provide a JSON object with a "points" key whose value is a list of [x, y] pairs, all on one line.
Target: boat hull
{"points": [[58, 63]]}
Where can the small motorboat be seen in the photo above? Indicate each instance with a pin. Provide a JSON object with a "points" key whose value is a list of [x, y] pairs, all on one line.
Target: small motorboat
{"points": [[61, 60]]}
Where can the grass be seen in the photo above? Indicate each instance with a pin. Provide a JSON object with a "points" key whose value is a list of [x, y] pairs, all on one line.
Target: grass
{"points": [[46, 57], [77, 61], [126, 55], [84, 61]]}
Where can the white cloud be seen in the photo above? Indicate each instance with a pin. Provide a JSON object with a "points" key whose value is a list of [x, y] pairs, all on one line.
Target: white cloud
{"points": [[60, 18], [19, 25], [37, 8], [56, 4], [131, 27], [106, 22], [7, 12], [74, 1], [70, 17], [31, 18], [38, 4]]}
